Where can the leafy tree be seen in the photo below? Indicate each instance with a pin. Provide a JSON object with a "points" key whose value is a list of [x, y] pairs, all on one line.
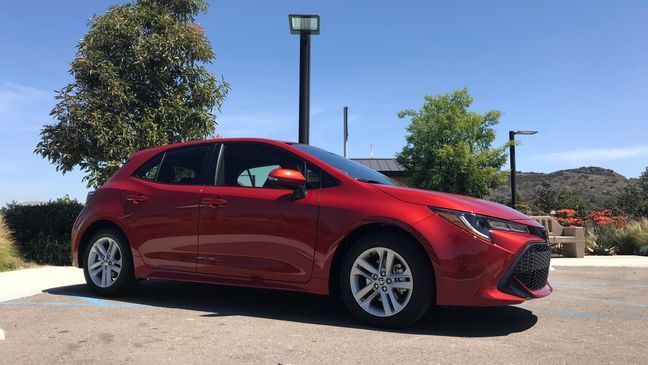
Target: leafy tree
{"points": [[546, 199], [567, 199], [633, 199], [139, 81], [449, 147]]}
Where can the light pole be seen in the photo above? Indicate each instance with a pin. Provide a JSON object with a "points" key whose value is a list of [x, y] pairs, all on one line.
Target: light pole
{"points": [[512, 158], [346, 130], [304, 25]]}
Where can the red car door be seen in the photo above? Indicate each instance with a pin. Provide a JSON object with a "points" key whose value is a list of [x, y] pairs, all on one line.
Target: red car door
{"points": [[250, 230], [161, 204]]}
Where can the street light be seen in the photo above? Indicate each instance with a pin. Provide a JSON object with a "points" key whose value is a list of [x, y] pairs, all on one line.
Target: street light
{"points": [[304, 25], [512, 157]]}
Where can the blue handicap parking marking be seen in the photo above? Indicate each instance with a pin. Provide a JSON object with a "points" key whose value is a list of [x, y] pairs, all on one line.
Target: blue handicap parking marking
{"points": [[84, 302]]}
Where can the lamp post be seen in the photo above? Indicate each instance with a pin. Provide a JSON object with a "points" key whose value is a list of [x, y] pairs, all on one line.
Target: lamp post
{"points": [[304, 25], [512, 158], [346, 130]]}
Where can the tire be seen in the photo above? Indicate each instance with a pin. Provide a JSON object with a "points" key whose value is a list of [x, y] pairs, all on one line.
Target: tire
{"points": [[405, 306], [117, 283]]}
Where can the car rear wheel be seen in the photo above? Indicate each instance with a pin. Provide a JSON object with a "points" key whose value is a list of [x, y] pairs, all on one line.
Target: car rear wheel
{"points": [[108, 264], [386, 280]]}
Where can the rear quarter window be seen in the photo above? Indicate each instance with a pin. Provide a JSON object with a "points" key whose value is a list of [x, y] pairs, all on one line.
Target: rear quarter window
{"points": [[149, 170]]}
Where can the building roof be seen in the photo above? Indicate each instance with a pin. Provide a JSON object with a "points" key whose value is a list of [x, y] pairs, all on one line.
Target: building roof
{"points": [[387, 166]]}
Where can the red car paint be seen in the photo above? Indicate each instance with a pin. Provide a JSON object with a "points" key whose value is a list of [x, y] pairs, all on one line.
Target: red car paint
{"points": [[262, 237]]}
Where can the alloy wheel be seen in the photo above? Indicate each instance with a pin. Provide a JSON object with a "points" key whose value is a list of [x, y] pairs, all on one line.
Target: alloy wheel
{"points": [[381, 282], [104, 262]]}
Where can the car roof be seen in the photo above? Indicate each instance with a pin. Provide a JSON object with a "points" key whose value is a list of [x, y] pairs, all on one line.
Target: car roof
{"points": [[156, 150]]}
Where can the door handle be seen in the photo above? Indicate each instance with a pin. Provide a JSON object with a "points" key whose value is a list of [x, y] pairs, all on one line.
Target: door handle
{"points": [[137, 198], [214, 202]]}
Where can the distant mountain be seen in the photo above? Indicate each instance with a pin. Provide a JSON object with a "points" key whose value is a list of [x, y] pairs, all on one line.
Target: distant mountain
{"points": [[595, 185]]}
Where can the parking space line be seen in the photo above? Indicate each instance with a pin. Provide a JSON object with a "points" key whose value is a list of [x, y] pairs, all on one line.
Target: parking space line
{"points": [[85, 302]]}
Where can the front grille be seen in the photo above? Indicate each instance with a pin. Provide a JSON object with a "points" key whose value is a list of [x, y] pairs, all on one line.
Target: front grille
{"points": [[533, 267]]}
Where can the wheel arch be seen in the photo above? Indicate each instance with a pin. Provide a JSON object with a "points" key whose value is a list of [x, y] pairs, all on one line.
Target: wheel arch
{"points": [[363, 231], [93, 228]]}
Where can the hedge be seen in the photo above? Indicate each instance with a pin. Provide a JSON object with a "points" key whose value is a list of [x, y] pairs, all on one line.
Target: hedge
{"points": [[41, 232]]}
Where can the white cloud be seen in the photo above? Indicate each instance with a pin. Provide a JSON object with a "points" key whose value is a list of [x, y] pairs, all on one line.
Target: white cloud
{"points": [[599, 154]]}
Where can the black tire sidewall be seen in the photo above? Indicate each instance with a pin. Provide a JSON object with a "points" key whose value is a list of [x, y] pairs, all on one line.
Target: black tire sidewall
{"points": [[126, 279], [423, 279]]}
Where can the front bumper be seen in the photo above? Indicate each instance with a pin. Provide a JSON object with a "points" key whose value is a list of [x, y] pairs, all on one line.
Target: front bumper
{"points": [[472, 272]]}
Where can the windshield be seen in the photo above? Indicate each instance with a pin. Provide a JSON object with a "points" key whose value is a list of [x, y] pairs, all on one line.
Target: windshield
{"points": [[351, 168]]}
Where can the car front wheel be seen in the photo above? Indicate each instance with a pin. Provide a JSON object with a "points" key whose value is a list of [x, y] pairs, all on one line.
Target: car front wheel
{"points": [[386, 280]]}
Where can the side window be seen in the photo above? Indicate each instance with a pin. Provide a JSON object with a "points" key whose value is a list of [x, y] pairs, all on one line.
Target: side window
{"points": [[312, 176], [328, 181], [255, 177], [248, 164], [149, 170], [182, 166]]}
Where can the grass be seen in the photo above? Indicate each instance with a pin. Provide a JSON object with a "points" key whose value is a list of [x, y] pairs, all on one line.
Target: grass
{"points": [[9, 259]]}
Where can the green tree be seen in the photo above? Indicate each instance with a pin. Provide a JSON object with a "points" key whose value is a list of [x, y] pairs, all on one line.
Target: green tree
{"points": [[139, 81], [449, 147], [633, 199], [545, 199]]}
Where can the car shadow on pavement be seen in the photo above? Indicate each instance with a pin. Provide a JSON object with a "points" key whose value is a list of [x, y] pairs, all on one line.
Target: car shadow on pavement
{"points": [[219, 301]]}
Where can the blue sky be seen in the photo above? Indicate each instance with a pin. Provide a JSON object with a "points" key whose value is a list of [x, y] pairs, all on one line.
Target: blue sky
{"points": [[576, 71]]}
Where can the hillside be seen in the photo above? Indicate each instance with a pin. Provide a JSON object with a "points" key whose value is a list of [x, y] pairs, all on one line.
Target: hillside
{"points": [[595, 185]]}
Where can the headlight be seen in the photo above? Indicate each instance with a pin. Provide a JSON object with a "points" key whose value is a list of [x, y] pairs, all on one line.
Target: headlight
{"points": [[479, 225]]}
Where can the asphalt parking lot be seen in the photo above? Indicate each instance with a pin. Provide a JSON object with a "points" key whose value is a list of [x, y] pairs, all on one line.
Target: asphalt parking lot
{"points": [[595, 315]]}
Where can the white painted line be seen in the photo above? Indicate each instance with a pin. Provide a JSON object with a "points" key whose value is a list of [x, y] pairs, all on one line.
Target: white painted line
{"points": [[1, 334]]}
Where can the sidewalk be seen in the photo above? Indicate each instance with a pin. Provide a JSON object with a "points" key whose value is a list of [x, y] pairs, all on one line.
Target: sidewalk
{"points": [[601, 261], [28, 282]]}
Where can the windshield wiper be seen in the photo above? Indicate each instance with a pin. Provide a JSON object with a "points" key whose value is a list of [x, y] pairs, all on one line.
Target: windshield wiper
{"points": [[368, 180]]}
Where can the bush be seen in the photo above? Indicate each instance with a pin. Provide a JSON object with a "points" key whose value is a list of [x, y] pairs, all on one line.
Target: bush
{"points": [[568, 218], [41, 232], [643, 250], [608, 217], [630, 239], [599, 243]]}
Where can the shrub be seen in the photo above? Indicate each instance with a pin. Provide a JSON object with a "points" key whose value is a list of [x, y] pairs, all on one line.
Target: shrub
{"points": [[632, 237], [567, 218], [600, 243], [608, 239], [41, 232], [608, 217], [8, 256], [643, 250]]}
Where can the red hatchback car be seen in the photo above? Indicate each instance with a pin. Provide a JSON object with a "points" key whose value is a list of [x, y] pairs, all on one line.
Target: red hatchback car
{"points": [[270, 214]]}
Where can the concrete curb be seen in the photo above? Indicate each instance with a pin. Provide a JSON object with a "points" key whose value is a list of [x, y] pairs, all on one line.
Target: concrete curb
{"points": [[601, 261]]}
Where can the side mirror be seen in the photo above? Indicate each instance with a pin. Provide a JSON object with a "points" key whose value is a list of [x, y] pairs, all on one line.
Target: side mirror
{"points": [[289, 179]]}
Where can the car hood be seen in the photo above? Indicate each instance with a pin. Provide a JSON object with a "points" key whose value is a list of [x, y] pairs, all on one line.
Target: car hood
{"points": [[454, 202]]}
